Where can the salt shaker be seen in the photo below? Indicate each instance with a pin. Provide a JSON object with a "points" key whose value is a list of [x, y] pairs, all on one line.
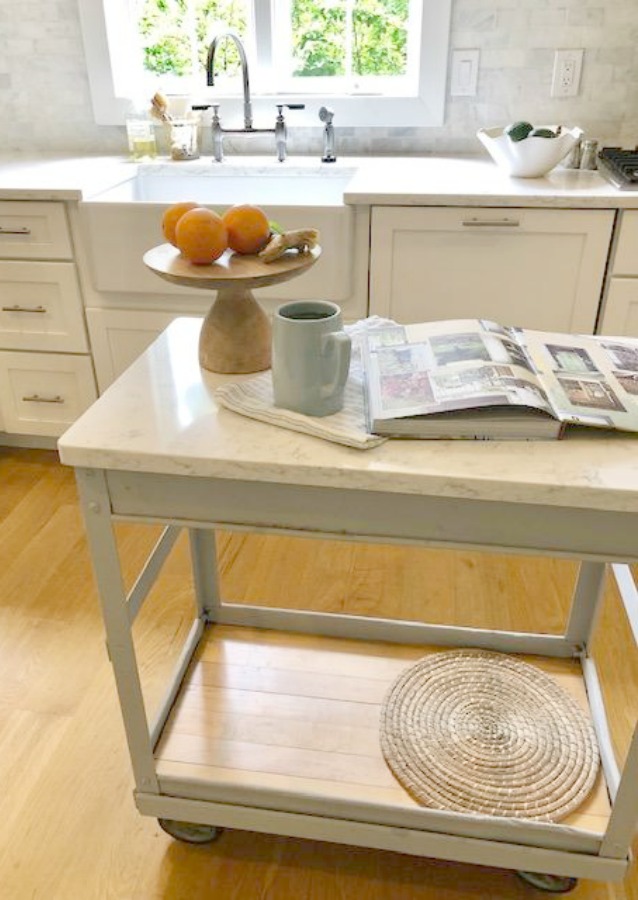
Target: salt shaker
{"points": [[572, 160], [588, 155]]}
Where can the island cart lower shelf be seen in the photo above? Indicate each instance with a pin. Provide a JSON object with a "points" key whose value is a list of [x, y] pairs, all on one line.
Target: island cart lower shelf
{"points": [[279, 732], [296, 717]]}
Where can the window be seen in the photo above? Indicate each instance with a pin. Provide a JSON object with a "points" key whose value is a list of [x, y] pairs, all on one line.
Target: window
{"points": [[375, 62]]}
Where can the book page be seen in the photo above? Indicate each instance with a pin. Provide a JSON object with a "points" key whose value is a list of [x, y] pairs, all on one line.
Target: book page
{"points": [[591, 380], [446, 366]]}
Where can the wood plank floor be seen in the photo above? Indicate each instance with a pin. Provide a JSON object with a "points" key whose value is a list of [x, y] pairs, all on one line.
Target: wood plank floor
{"points": [[69, 829]]}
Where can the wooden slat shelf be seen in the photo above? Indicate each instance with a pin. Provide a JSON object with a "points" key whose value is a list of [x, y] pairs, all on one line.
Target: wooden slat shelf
{"points": [[300, 714]]}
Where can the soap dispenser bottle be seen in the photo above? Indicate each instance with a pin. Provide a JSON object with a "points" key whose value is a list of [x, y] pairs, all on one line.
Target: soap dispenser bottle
{"points": [[140, 134]]}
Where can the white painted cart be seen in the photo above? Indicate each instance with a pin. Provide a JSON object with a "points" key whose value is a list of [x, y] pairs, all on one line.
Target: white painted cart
{"points": [[156, 449]]}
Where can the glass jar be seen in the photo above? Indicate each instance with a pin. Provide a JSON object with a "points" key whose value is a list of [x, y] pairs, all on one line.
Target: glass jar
{"points": [[141, 138], [184, 139]]}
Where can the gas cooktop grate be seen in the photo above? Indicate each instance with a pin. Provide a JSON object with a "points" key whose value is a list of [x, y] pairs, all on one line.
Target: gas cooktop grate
{"points": [[620, 167]]}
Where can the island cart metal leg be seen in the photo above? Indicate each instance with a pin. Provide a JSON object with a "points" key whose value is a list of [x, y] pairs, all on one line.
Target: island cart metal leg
{"points": [[579, 631], [119, 610], [204, 569]]}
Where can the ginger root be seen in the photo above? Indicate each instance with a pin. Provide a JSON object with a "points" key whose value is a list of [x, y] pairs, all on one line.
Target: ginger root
{"points": [[301, 239]]}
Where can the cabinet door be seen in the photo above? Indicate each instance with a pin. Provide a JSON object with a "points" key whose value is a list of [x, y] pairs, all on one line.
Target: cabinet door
{"points": [[620, 315], [119, 336], [535, 268], [626, 256], [44, 393], [41, 307]]}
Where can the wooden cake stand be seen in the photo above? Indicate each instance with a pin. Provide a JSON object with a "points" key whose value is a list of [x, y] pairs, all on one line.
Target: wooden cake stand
{"points": [[236, 333]]}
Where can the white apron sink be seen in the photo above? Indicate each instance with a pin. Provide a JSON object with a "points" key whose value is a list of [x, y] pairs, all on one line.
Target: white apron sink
{"points": [[123, 222]]}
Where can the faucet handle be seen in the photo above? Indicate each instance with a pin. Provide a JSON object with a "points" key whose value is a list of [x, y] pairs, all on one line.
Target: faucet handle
{"points": [[280, 107], [326, 114]]}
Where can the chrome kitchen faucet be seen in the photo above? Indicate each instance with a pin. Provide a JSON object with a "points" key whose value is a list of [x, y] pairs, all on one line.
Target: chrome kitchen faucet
{"points": [[280, 131]]}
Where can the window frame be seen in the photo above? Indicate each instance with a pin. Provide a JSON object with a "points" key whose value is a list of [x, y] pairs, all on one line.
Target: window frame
{"points": [[115, 74]]}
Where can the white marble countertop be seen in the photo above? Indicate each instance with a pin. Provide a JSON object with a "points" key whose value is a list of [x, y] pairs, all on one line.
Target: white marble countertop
{"points": [[423, 181], [161, 417], [60, 178], [439, 181]]}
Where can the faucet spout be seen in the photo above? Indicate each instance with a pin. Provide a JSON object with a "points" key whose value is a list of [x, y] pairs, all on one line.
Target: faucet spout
{"points": [[210, 71]]}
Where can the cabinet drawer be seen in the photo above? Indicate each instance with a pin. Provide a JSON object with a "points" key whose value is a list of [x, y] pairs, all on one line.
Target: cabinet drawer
{"points": [[43, 393], [626, 258], [33, 230], [41, 307]]}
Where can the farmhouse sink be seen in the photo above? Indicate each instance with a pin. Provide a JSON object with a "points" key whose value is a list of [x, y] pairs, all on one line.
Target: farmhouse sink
{"points": [[121, 223], [228, 186]]}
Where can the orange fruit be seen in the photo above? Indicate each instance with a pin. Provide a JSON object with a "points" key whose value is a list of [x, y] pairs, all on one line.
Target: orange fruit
{"points": [[172, 216], [248, 228], [201, 236]]}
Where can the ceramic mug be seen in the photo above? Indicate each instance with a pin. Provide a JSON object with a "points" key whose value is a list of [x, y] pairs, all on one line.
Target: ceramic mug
{"points": [[310, 357]]}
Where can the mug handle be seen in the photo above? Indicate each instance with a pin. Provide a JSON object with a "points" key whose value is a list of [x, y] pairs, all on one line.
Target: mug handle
{"points": [[337, 342]]}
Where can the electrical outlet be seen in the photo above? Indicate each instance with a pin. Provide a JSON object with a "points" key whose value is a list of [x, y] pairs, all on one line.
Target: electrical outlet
{"points": [[568, 65]]}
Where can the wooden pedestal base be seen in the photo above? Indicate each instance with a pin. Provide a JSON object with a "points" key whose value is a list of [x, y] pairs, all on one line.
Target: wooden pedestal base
{"points": [[236, 334]]}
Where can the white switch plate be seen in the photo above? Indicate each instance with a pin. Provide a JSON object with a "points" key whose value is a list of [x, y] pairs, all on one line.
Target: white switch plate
{"points": [[464, 78], [568, 65]]}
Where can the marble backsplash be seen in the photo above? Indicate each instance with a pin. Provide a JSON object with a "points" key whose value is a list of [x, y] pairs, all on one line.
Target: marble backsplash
{"points": [[46, 106]]}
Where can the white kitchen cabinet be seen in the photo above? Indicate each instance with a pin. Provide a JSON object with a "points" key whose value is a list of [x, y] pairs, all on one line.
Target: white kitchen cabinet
{"points": [[620, 314], [535, 268], [46, 372], [119, 336], [620, 309]]}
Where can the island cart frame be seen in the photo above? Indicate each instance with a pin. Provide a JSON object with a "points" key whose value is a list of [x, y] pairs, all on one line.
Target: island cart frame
{"points": [[602, 540]]}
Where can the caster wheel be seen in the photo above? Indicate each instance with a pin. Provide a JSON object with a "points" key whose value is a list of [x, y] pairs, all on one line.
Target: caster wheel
{"points": [[551, 884], [189, 831]]}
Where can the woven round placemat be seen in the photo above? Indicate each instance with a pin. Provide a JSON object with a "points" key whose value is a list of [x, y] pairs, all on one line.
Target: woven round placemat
{"points": [[482, 732]]}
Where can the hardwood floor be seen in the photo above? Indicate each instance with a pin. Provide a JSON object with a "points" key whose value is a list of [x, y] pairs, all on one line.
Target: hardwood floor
{"points": [[69, 829]]}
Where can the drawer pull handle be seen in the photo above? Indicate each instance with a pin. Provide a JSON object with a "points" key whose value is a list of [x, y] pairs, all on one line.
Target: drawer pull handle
{"points": [[36, 398], [21, 230], [491, 223], [27, 309]]}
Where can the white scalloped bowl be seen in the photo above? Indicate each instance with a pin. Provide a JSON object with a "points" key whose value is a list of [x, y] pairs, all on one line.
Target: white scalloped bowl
{"points": [[532, 157]]}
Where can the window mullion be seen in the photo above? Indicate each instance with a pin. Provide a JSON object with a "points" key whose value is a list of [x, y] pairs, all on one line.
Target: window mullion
{"points": [[349, 29], [263, 19], [191, 31]]}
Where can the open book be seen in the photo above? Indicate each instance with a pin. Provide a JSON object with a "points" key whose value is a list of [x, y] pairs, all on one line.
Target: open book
{"points": [[475, 379]]}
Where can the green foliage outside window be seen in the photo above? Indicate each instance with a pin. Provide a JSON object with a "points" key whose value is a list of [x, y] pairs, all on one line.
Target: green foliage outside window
{"points": [[169, 28], [380, 37]]}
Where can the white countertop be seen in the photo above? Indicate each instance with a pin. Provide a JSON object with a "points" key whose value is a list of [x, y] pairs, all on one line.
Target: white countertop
{"points": [[60, 178], [160, 417], [439, 181], [427, 180]]}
